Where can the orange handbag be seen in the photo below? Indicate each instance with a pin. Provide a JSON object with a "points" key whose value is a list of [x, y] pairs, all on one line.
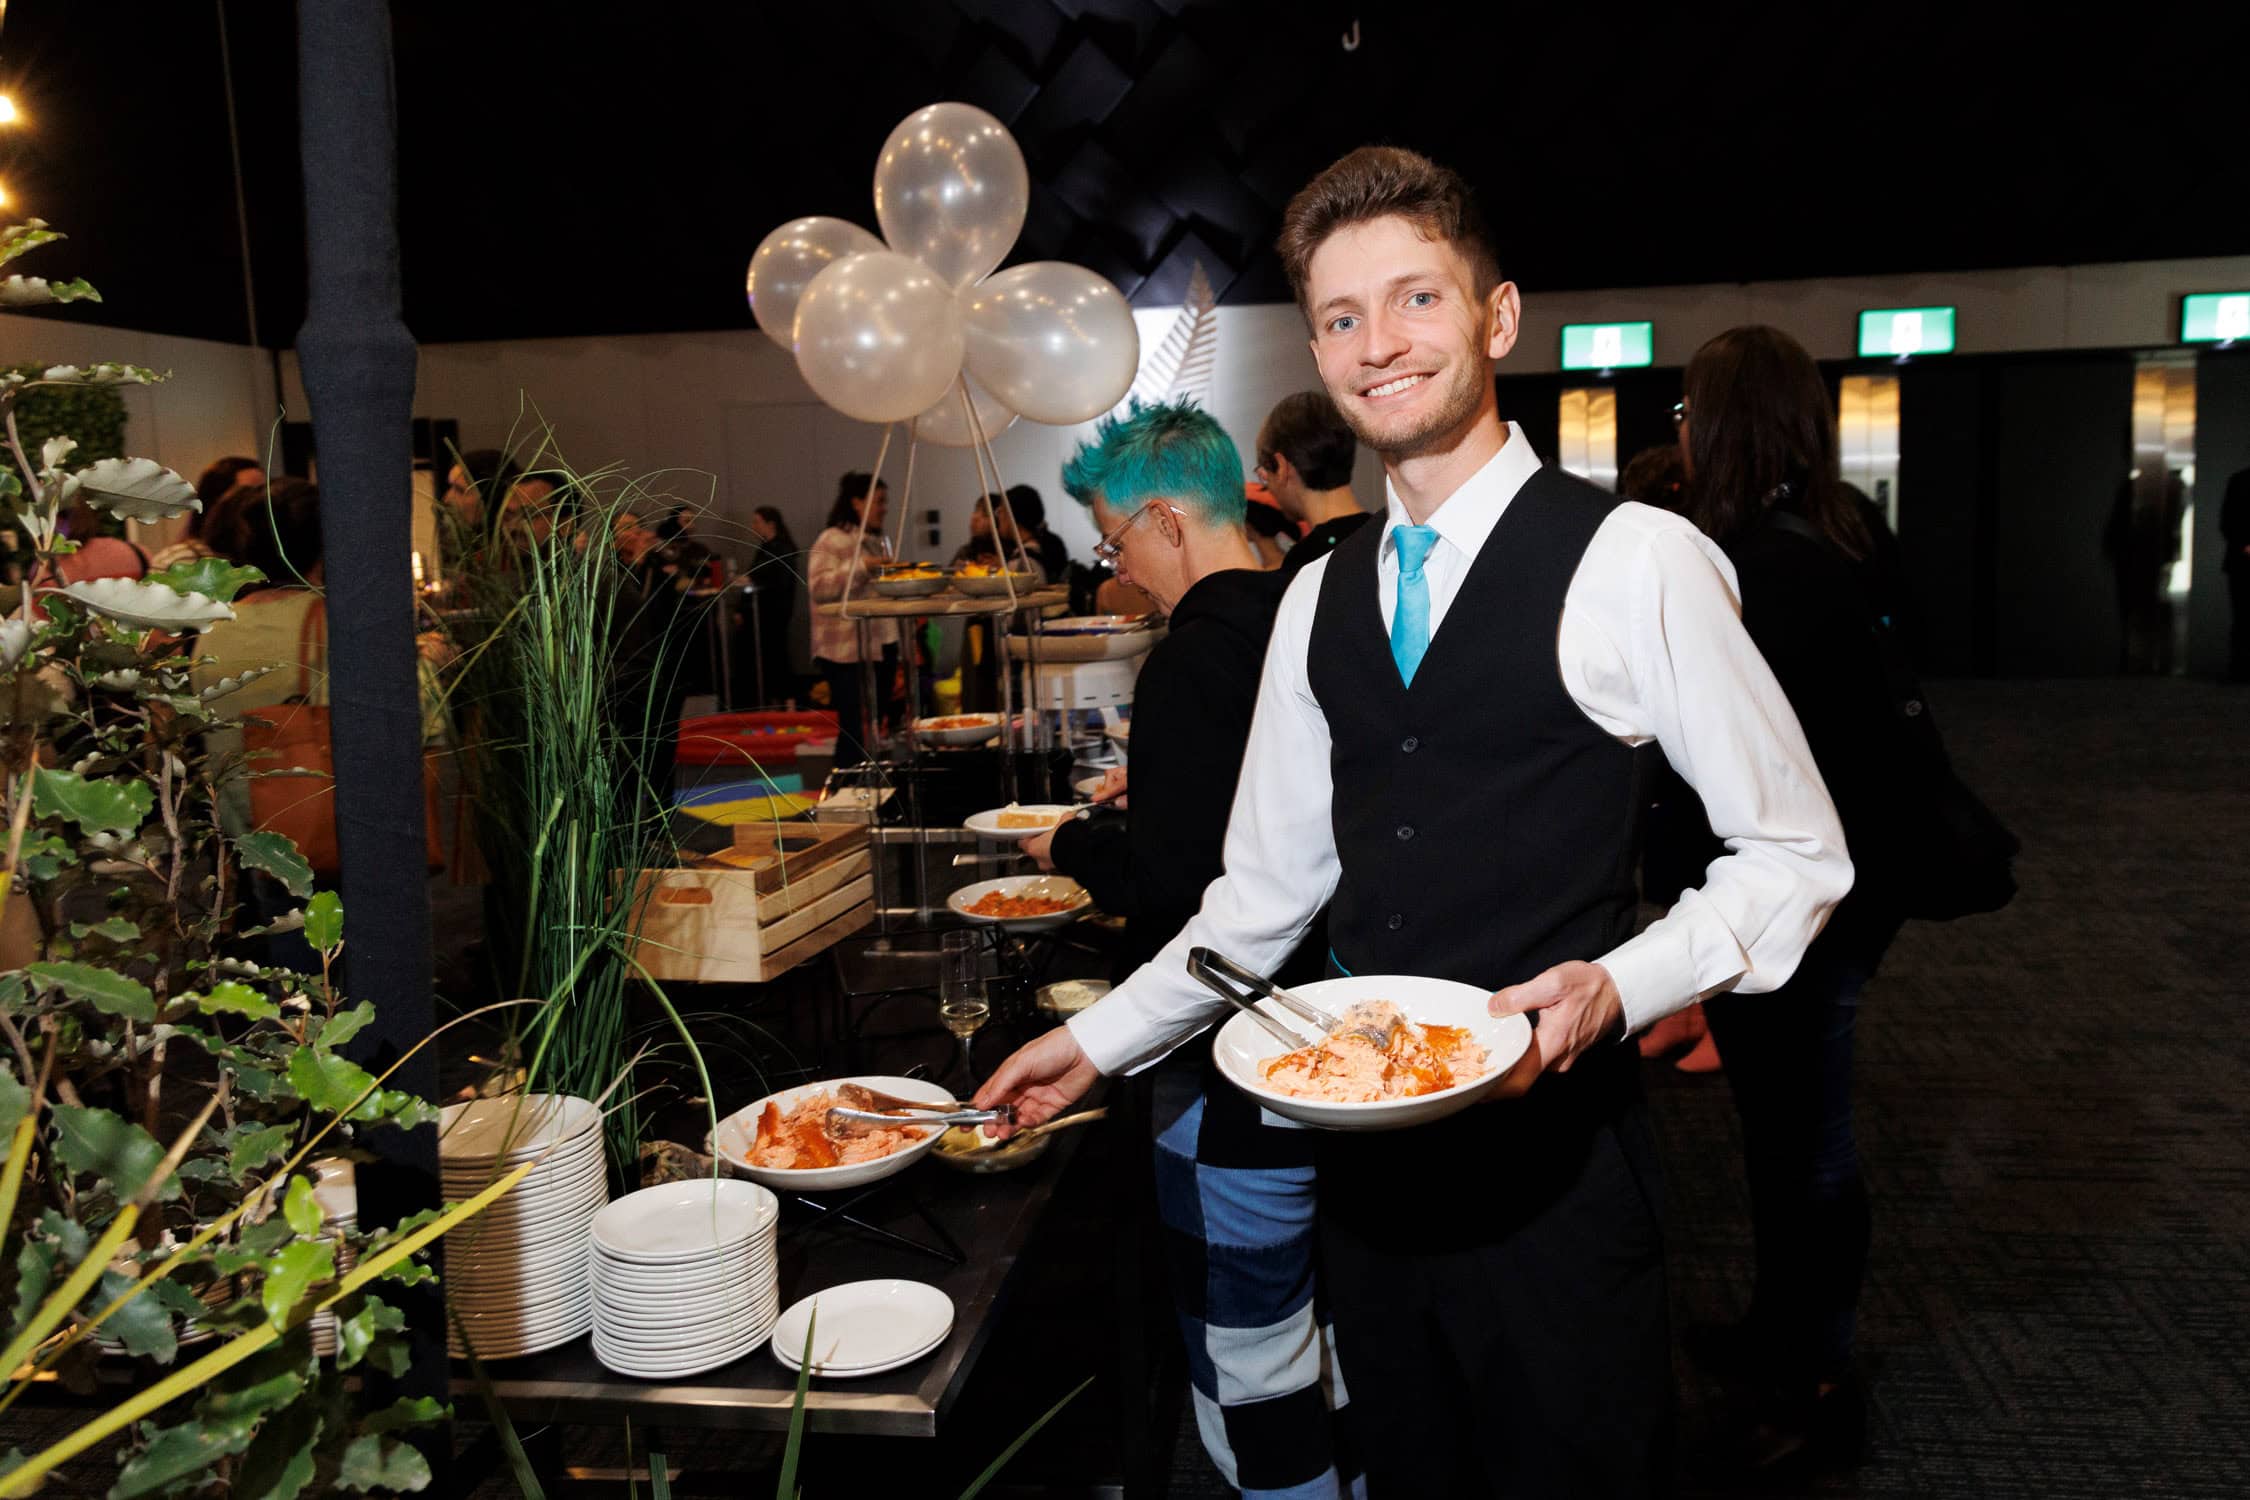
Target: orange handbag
{"points": [[295, 734]]}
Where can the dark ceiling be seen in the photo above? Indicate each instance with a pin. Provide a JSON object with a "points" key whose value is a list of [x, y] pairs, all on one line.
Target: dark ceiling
{"points": [[577, 169]]}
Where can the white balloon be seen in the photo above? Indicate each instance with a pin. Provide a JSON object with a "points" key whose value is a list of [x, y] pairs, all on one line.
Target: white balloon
{"points": [[1052, 340], [788, 259], [951, 190], [879, 336], [946, 425]]}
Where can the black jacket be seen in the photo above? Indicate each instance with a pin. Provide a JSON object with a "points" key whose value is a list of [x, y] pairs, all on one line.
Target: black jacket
{"points": [[1191, 725], [1319, 542]]}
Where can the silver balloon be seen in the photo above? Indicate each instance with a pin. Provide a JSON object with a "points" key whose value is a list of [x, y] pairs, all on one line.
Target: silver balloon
{"points": [[788, 259], [879, 336], [946, 425], [1052, 340], [951, 190]]}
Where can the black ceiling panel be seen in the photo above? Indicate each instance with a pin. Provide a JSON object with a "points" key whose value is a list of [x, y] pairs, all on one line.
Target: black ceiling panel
{"points": [[545, 150]]}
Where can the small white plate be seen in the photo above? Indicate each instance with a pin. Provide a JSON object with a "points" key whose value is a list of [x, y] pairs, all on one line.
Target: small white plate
{"points": [[1242, 1045], [649, 1318], [697, 1287], [864, 1326], [738, 1131], [621, 1363], [684, 1223], [1055, 887], [987, 823], [514, 1126]]}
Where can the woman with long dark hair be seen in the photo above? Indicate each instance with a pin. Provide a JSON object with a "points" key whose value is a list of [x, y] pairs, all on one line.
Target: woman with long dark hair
{"points": [[841, 556], [1758, 439]]}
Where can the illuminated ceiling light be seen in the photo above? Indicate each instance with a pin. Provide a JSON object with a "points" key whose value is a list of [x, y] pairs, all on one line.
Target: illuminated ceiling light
{"points": [[5, 200], [7, 110]]}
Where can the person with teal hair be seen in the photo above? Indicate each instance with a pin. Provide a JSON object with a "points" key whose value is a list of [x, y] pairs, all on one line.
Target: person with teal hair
{"points": [[1164, 484]]}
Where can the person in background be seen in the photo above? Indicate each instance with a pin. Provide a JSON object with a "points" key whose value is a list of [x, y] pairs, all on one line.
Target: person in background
{"points": [[775, 567], [474, 488], [2234, 532], [1655, 476], [1165, 488], [1446, 756], [840, 557], [220, 480], [1266, 529], [99, 554], [1758, 442], [1044, 547], [1305, 454]]}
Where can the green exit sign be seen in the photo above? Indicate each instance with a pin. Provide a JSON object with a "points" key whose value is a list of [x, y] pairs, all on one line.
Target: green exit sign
{"points": [[1896, 332], [2215, 317], [1608, 346]]}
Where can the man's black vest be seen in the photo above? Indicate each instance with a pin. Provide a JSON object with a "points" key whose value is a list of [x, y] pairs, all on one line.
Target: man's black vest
{"points": [[1486, 828]]}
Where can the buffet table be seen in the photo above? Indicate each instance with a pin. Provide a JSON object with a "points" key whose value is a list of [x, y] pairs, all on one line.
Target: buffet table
{"points": [[989, 1217]]}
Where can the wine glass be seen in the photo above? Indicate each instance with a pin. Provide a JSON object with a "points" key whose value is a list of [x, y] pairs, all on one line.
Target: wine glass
{"points": [[963, 1005]]}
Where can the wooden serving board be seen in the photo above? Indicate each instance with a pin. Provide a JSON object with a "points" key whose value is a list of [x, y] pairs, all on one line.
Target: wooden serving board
{"points": [[750, 913]]}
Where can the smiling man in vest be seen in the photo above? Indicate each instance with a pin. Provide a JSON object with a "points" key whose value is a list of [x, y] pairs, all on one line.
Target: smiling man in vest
{"points": [[1445, 744]]}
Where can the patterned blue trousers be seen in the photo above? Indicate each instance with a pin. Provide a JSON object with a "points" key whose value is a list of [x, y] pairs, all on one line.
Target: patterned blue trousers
{"points": [[1236, 1199]]}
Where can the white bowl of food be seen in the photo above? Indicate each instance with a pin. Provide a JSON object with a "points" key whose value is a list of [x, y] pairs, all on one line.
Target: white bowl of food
{"points": [[1022, 903], [1344, 1090], [795, 1133], [958, 729], [1019, 822]]}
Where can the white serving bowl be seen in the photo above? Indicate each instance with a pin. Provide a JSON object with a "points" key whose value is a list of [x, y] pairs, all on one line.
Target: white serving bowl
{"points": [[987, 727], [1242, 1044], [732, 1141], [1057, 887], [987, 823]]}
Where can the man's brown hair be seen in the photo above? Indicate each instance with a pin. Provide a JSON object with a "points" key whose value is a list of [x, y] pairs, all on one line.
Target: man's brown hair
{"points": [[1377, 182]]}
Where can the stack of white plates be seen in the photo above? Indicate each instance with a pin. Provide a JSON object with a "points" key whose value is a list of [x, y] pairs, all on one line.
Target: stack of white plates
{"points": [[864, 1327], [684, 1277], [516, 1273]]}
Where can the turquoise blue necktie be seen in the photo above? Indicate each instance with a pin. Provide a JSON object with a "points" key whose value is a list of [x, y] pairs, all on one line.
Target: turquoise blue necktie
{"points": [[1410, 622]]}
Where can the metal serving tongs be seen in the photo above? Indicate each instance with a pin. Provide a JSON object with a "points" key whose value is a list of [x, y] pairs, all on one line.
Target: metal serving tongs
{"points": [[843, 1122], [1216, 971]]}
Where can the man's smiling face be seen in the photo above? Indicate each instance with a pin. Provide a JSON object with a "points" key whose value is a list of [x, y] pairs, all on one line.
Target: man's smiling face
{"points": [[1404, 343]]}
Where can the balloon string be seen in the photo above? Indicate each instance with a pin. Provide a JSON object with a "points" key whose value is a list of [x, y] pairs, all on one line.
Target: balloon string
{"points": [[983, 444], [859, 538], [906, 495]]}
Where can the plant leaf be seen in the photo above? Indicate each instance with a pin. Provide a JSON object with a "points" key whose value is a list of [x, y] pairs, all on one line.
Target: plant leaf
{"points": [[47, 858], [106, 373], [148, 606], [100, 1144], [356, 1334], [254, 1148], [21, 239], [346, 1024], [227, 997], [116, 929], [35, 1278], [143, 1325], [275, 855], [407, 1411], [174, 1454], [1026, 1436], [106, 990], [279, 1463], [14, 1100], [38, 291], [262, 1384], [15, 640], [330, 1083], [138, 489], [290, 1273], [301, 1208], [373, 1462], [324, 921], [212, 577], [96, 806]]}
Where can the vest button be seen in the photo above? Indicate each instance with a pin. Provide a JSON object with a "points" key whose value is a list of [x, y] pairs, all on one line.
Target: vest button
{"points": [[1410, 744], [1396, 921], [1405, 832]]}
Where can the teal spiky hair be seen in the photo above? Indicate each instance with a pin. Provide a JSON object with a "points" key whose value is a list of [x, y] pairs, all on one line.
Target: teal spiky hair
{"points": [[1172, 450]]}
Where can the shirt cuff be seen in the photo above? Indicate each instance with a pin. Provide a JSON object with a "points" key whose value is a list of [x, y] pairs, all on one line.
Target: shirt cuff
{"points": [[1111, 1034], [1657, 973]]}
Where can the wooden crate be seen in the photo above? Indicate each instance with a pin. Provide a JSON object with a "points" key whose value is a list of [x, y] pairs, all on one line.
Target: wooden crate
{"points": [[745, 915]]}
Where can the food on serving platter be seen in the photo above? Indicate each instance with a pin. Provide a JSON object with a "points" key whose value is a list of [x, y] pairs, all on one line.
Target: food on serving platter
{"points": [[1347, 1067], [1001, 904], [959, 721], [1047, 819], [801, 1140], [984, 570]]}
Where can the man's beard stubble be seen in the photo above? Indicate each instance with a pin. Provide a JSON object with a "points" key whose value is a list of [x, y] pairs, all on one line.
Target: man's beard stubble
{"points": [[1457, 403]]}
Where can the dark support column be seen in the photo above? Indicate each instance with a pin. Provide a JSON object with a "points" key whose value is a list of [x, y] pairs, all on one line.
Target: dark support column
{"points": [[358, 363]]}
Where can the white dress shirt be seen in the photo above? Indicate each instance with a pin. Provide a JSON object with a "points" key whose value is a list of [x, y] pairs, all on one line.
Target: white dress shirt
{"points": [[1650, 647]]}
